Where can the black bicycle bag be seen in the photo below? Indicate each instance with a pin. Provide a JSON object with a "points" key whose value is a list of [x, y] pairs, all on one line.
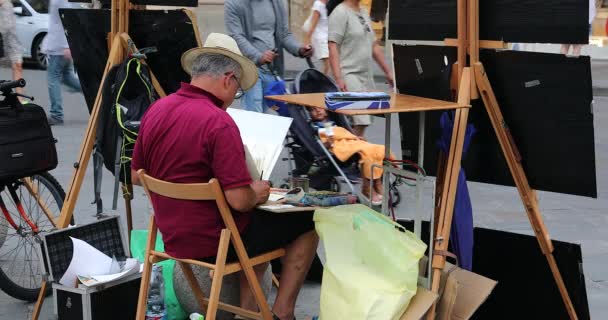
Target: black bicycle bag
{"points": [[27, 146]]}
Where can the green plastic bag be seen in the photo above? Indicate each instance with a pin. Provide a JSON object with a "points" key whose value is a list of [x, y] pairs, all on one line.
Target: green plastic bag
{"points": [[371, 268], [138, 250]]}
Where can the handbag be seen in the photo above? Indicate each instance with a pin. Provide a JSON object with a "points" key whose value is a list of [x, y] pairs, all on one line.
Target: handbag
{"points": [[27, 146]]}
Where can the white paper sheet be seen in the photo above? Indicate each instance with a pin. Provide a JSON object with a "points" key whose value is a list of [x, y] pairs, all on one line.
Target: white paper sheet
{"points": [[86, 260], [131, 266], [263, 135]]}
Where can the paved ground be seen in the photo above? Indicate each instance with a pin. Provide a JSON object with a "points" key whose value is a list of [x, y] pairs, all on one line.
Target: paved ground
{"points": [[569, 218]]}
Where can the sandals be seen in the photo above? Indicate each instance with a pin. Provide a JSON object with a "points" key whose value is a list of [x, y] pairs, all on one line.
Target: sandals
{"points": [[374, 203]]}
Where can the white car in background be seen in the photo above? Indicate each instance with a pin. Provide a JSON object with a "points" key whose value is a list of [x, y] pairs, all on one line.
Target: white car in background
{"points": [[32, 25]]}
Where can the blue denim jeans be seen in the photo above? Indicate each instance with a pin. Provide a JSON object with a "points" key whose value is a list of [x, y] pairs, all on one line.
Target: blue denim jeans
{"points": [[253, 99], [60, 70]]}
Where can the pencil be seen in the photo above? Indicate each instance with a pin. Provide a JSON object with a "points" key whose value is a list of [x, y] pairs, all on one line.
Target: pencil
{"points": [[261, 175]]}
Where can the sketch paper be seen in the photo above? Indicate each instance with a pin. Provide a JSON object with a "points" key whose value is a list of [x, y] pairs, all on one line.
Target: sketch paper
{"points": [[85, 260], [263, 136], [131, 266]]}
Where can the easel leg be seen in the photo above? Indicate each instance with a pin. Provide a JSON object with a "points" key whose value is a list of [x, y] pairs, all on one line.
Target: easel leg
{"points": [[450, 183], [528, 196]]}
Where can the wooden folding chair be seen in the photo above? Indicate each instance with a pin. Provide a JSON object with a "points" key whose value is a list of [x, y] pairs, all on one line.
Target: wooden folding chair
{"points": [[205, 191]]}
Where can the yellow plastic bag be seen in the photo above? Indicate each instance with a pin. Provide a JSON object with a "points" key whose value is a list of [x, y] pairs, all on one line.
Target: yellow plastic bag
{"points": [[371, 267]]}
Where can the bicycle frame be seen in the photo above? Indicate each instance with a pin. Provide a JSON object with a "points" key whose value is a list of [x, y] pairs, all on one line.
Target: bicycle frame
{"points": [[13, 192]]}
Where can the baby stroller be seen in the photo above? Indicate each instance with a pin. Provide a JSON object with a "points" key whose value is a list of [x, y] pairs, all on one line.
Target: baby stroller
{"points": [[307, 156]]}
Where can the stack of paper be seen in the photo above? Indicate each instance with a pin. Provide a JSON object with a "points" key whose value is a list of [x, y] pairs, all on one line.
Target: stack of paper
{"points": [[92, 267]]}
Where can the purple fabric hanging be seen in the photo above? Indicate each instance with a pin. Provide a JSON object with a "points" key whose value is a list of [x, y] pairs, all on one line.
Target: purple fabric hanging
{"points": [[461, 234]]}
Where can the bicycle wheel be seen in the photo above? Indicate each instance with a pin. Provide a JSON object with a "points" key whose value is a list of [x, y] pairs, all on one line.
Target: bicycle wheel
{"points": [[21, 271]]}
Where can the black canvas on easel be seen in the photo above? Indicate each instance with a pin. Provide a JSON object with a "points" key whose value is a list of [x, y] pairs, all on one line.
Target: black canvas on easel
{"points": [[542, 21], [87, 32], [545, 100]]}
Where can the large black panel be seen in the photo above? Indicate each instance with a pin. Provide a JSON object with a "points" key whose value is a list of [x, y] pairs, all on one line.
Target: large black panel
{"points": [[545, 100], [526, 288], [544, 21], [171, 32], [175, 3]]}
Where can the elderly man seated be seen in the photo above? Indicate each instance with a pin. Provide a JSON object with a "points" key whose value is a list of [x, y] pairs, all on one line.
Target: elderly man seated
{"points": [[188, 137]]}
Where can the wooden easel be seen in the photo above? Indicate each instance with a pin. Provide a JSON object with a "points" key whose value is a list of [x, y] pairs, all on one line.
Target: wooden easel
{"points": [[120, 45], [474, 83]]}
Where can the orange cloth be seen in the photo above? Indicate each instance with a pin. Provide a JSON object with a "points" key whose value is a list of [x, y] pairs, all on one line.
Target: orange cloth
{"points": [[347, 144]]}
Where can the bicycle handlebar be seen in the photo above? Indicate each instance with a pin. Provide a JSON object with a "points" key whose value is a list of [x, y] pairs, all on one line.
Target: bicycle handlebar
{"points": [[9, 85]]}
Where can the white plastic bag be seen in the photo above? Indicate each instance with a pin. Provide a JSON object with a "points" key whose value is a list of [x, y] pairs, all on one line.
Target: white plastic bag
{"points": [[371, 267]]}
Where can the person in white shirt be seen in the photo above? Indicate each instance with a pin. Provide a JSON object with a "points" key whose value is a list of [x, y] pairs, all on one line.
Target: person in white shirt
{"points": [[576, 48], [60, 68], [316, 35]]}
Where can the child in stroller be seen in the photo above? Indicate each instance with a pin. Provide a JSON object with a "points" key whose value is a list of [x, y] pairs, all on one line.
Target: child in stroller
{"points": [[312, 159], [344, 144]]}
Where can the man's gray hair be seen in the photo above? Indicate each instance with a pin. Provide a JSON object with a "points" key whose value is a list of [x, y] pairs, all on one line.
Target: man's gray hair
{"points": [[215, 65]]}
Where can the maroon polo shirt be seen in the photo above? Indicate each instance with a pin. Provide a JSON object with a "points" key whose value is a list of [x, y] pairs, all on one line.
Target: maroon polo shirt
{"points": [[186, 138]]}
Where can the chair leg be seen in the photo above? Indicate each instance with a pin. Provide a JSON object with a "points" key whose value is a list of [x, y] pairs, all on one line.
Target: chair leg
{"points": [[145, 277], [218, 275], [254, 283], [194, 286]]}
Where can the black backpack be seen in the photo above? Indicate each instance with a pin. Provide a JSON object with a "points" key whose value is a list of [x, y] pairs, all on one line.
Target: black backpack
{"points": [[127, 94]]}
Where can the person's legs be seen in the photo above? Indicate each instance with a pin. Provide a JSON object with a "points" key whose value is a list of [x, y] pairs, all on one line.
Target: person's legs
{"points": [[54, 79], [565, 48], [295, 233], [325, 66], [253, 98], [357, 83], [246, 296], [18, 74], [296, 263], [576, 50], [69, 76]]}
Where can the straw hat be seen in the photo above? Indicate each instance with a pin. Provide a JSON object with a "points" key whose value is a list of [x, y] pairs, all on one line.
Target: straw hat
{"points": [[223, 44]]}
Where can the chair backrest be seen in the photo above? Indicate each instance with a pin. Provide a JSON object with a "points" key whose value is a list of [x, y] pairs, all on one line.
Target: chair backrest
{"points": [[189, 191]]}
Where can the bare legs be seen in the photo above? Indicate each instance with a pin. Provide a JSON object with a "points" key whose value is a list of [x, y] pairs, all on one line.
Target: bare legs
{"points": [[18, 74], [296, 262], [377, 189], [576, 49]]}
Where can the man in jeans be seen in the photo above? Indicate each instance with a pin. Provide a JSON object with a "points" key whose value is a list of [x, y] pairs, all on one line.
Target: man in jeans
{"points": [[60, 68], [259, 26]]}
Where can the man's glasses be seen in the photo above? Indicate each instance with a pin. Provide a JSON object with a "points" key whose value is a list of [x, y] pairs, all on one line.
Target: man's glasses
{"points": [[364, 23], [239, 93]]}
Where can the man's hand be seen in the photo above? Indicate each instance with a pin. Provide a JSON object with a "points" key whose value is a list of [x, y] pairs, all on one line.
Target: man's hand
{"points": [[267, 57], [262, 191], [389, 79], [306, 51]]}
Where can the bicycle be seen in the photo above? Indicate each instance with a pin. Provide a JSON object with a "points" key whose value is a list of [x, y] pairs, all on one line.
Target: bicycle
{"points": [[29, 207]]}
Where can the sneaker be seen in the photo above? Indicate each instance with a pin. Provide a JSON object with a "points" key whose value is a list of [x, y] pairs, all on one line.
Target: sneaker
{"points": [[54, 121]]}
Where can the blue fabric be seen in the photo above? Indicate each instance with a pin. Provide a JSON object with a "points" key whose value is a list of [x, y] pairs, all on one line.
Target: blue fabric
{"points": [[274, 89], [253, 99], [60, 70], [461, 234]]}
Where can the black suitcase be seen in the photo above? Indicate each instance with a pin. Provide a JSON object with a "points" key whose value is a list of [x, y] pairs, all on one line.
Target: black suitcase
{"points": [[27, 146]]}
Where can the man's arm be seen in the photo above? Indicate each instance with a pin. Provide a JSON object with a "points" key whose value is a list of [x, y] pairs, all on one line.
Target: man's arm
{"points": [[289, 41], [234, 27], [135, 178], [246, 198]]}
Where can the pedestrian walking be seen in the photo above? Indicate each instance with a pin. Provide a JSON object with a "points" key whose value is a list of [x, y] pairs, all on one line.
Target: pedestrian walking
{"points": [[11, 47], [260, 28], [60, 68]]}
